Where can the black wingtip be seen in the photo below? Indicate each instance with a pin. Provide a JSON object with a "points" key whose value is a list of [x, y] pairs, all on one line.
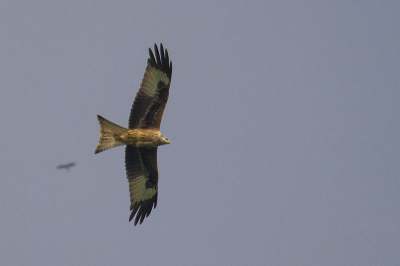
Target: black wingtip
{"points": [[160, 59], [151, 55], [142, 210]]}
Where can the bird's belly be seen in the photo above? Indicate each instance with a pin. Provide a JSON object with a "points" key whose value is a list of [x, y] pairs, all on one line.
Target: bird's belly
{"points": [[139, 138]]}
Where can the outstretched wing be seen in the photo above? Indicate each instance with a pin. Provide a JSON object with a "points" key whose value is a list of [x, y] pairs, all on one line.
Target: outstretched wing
{"points": [[150, 101], [142, 174]]}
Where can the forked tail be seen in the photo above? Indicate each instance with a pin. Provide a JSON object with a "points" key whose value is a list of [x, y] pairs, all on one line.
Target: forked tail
{"points": [[107, 133]]}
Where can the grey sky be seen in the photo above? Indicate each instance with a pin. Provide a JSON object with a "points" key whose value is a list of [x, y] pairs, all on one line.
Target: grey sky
{"points": [[283, 118]]}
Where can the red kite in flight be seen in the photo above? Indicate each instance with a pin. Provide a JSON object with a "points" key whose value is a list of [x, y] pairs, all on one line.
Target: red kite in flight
{"points": [[143, 136]]}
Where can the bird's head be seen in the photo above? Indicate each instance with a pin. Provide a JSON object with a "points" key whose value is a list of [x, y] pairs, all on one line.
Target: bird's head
{"points": [[164, 140]]}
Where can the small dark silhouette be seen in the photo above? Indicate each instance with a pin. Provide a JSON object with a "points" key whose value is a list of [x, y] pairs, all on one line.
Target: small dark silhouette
{"points": [[66, 166]]}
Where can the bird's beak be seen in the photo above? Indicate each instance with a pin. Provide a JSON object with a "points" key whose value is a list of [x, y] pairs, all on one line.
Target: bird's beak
{"points": [[168, 142]]}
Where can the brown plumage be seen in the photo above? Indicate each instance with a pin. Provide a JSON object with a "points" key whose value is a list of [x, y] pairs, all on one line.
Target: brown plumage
{"points": [[143, 136]]}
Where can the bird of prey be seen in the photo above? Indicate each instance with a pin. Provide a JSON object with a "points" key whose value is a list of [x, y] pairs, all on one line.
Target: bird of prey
{"points": [[66, 166], [143, 136]]}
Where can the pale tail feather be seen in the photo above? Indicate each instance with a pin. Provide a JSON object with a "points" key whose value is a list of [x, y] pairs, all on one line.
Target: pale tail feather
{"points": [[107, 130]]}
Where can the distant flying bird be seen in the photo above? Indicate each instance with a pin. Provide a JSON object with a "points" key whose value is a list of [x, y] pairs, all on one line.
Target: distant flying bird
{"points": [[66, 166], [143, 135]]}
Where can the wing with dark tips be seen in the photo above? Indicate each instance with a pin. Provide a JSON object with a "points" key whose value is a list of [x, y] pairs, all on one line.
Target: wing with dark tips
{"points": [[142, 174], [151, 99]]}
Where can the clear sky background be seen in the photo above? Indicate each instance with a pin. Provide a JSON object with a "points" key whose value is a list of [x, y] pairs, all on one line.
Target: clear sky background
{"points": [[283, 116]]}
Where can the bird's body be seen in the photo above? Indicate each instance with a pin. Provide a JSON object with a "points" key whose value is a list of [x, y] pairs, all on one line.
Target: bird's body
{"points": [[143, 136], [140, 138]]}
